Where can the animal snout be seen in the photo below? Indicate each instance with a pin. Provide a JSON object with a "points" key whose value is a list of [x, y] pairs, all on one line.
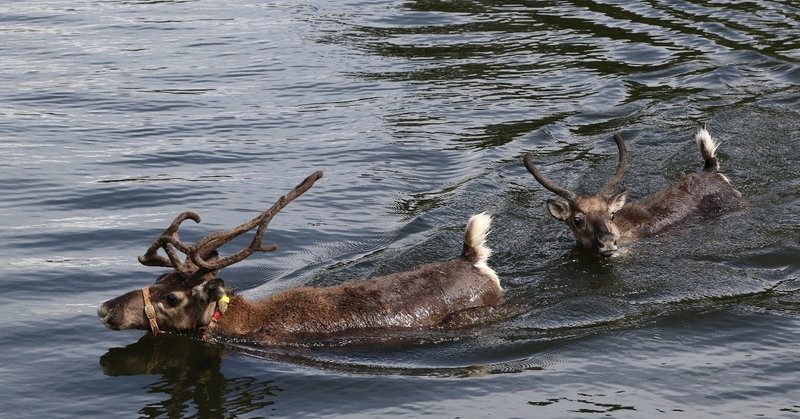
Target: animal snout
{"points": [[104, 313], [607, 245]]}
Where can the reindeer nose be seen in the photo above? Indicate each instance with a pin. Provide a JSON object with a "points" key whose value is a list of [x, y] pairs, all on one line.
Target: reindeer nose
{"points": [[102, 311], [105, 316], [607, 245]]}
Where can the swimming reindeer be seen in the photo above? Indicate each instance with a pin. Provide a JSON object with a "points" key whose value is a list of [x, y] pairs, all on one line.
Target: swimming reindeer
{"points": [[192, 298], [603, 220]]}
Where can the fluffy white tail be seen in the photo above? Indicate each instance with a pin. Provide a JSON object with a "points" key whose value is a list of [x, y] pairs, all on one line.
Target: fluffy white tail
{"points": [[708, 147], [475, 249]]}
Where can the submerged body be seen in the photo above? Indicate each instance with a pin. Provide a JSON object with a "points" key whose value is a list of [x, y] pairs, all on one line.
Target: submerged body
{"points": [[704, 193], [427, 296], [604, 220]]}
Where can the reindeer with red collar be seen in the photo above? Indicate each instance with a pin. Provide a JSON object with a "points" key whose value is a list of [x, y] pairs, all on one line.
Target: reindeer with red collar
{"points": [[192, 298]]}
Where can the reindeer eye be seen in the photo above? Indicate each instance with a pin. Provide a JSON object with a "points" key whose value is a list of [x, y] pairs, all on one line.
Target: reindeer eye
{"points": [[171, 300], [578, 221]]}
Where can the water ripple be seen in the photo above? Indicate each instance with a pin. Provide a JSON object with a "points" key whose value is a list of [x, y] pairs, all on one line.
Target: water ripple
{"points": [[117, 116]]}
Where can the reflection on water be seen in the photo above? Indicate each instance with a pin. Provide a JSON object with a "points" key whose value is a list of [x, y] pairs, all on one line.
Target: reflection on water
{"points": [[189, 376]]}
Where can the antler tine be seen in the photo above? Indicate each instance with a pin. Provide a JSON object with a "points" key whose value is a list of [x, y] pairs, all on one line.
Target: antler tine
{"points": [[168, 243], [564, 193], [621, 166], [169, 236], [214, 240]]}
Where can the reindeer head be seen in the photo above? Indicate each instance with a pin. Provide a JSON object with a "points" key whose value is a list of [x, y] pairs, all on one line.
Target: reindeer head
{"points": [[590, 217], [175, 305], [185, 299]]}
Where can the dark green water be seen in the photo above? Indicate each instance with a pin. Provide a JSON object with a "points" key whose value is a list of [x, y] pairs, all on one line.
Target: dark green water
{"points": [[117, 115]]}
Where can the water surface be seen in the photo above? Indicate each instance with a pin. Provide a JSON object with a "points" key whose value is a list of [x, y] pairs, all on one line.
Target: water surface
{"points": [[116, 116]]}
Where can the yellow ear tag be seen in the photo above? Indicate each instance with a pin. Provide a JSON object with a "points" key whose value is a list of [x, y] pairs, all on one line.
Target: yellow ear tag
{"points": [[222, 304]]}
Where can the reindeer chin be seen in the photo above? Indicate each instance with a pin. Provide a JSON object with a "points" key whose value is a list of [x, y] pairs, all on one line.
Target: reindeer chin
{"points": [[608, 253]]}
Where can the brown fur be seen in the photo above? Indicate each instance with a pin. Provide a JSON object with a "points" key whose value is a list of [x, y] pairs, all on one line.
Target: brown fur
{"points": [[697, 193], [427, 296], [601, 221], [424, 297]]}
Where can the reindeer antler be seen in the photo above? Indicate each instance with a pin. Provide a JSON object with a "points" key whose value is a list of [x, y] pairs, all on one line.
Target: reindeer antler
{"points": [[571, 196], [621, 166], [200, 252], [169, 241], [564, 193], [213, 241]]}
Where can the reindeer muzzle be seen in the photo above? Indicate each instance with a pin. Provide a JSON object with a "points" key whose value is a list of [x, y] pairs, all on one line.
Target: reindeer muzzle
{"points": [[606, 245]]}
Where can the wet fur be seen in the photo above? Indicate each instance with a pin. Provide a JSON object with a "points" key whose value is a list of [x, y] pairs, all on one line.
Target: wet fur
{"points": [[424, 297], [607, 222], [707, 192], [698, 193], [428, 296]]}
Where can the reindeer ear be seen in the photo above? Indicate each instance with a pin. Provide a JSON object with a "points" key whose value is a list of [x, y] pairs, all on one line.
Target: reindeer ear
{"points": [[617, 201], [214, 288], [558, 209]]}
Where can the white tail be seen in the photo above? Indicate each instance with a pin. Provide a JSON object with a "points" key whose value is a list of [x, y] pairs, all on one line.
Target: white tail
{"points": [[475, 249], [708, 147]]}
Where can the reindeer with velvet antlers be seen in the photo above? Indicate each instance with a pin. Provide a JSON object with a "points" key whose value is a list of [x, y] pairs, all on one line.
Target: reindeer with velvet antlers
{"points": [[192, 298], [603, 221]]}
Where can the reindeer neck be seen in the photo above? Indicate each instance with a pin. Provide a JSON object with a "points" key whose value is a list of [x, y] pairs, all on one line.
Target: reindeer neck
{"points": [[632, 220], [271, 320], [238, 319]]}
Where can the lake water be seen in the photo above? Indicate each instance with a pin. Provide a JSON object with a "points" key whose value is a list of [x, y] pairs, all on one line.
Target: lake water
{"points": [[117, 115]]}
